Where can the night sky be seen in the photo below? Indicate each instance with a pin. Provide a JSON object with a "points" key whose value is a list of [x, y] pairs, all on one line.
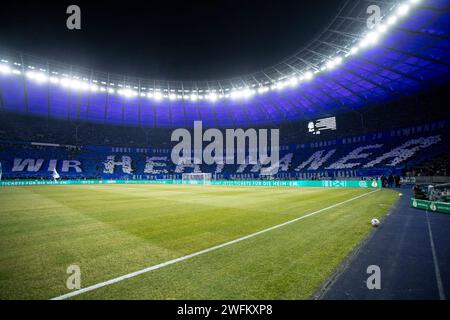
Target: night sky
{"points": [[189, 40]]}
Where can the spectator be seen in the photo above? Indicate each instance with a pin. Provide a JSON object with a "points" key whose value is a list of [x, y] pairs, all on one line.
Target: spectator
{"points": [[397, 181], [390, 181]]}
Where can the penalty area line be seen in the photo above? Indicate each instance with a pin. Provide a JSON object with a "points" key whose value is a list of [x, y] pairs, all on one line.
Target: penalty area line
{"points": [[195, 254]]}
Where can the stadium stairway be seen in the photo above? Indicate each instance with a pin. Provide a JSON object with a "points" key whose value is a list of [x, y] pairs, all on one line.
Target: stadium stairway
{"points": [[411, 249]]}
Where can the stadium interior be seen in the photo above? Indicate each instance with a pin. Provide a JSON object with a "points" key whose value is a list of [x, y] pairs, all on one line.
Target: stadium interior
{"points": [[370, 146], [349, 108]]}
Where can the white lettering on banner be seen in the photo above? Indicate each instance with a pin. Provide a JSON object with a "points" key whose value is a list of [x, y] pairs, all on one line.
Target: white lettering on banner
{"points": [[186, 163], [52, 165], [111, 163], [405, 151], [35, 165], [355, 154], [236, 143], [71, 164], [151, 164], [316, 160], [32, 165], [345, 166]]}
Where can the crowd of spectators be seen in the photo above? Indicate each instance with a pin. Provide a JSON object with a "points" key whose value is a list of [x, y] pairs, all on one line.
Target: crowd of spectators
{"points": [[391, 181], [33, 129], [437, 166]]}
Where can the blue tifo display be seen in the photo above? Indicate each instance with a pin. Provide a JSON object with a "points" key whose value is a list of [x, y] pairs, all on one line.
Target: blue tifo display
{"points": [[370, 155], [242, 183]]}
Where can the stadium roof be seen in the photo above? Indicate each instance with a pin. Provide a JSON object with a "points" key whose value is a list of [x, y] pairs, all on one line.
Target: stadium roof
{"points": [[344, 68]]}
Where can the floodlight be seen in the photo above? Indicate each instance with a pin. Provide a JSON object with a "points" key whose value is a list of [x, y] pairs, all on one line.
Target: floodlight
{"points": [[354, 50], [337, 60], [381, 28], [293, 81], [308, 75], [5, 69], [392, 20], [30, 74], [280, 85], [248, 92], [65, 82], [83, 85], [329, 65], [263, 89], [75, 84], [403, 10], [54, 80], [37, 76], [212, 97], [370, 39], [236, 94], [157, 95]]}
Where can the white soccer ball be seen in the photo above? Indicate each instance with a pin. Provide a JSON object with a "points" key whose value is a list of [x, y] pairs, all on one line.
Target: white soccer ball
{"points": [[375, 222], [400, 194]]}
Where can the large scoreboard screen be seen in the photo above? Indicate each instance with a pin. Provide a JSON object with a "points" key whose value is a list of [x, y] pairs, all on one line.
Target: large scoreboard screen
{"points": [[324, 124]]}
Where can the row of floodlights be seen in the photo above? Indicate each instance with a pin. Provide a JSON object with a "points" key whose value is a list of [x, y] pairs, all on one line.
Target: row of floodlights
{"points": [[75, 83]]}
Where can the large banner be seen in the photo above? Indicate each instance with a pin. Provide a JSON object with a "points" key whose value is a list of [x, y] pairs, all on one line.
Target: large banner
{"points": [[433, 206], [242, 183], [302, 183]]}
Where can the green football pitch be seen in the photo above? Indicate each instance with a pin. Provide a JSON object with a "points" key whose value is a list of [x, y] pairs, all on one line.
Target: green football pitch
{"points": [[113, 230]]}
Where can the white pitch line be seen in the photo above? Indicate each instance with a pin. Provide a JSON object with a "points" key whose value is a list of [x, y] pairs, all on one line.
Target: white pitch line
{"points": [[195, 254], [435, 261]]}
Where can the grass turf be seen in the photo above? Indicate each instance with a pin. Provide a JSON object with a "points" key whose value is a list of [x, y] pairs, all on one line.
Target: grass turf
{"points": [[111, 230]]}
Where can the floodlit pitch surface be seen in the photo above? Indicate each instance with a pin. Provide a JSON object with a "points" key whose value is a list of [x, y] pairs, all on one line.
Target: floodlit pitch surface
{"points": [[113, 230]]}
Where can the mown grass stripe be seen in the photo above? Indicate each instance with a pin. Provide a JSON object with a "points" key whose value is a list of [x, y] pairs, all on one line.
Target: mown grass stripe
{"points": [[195, 254]]}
